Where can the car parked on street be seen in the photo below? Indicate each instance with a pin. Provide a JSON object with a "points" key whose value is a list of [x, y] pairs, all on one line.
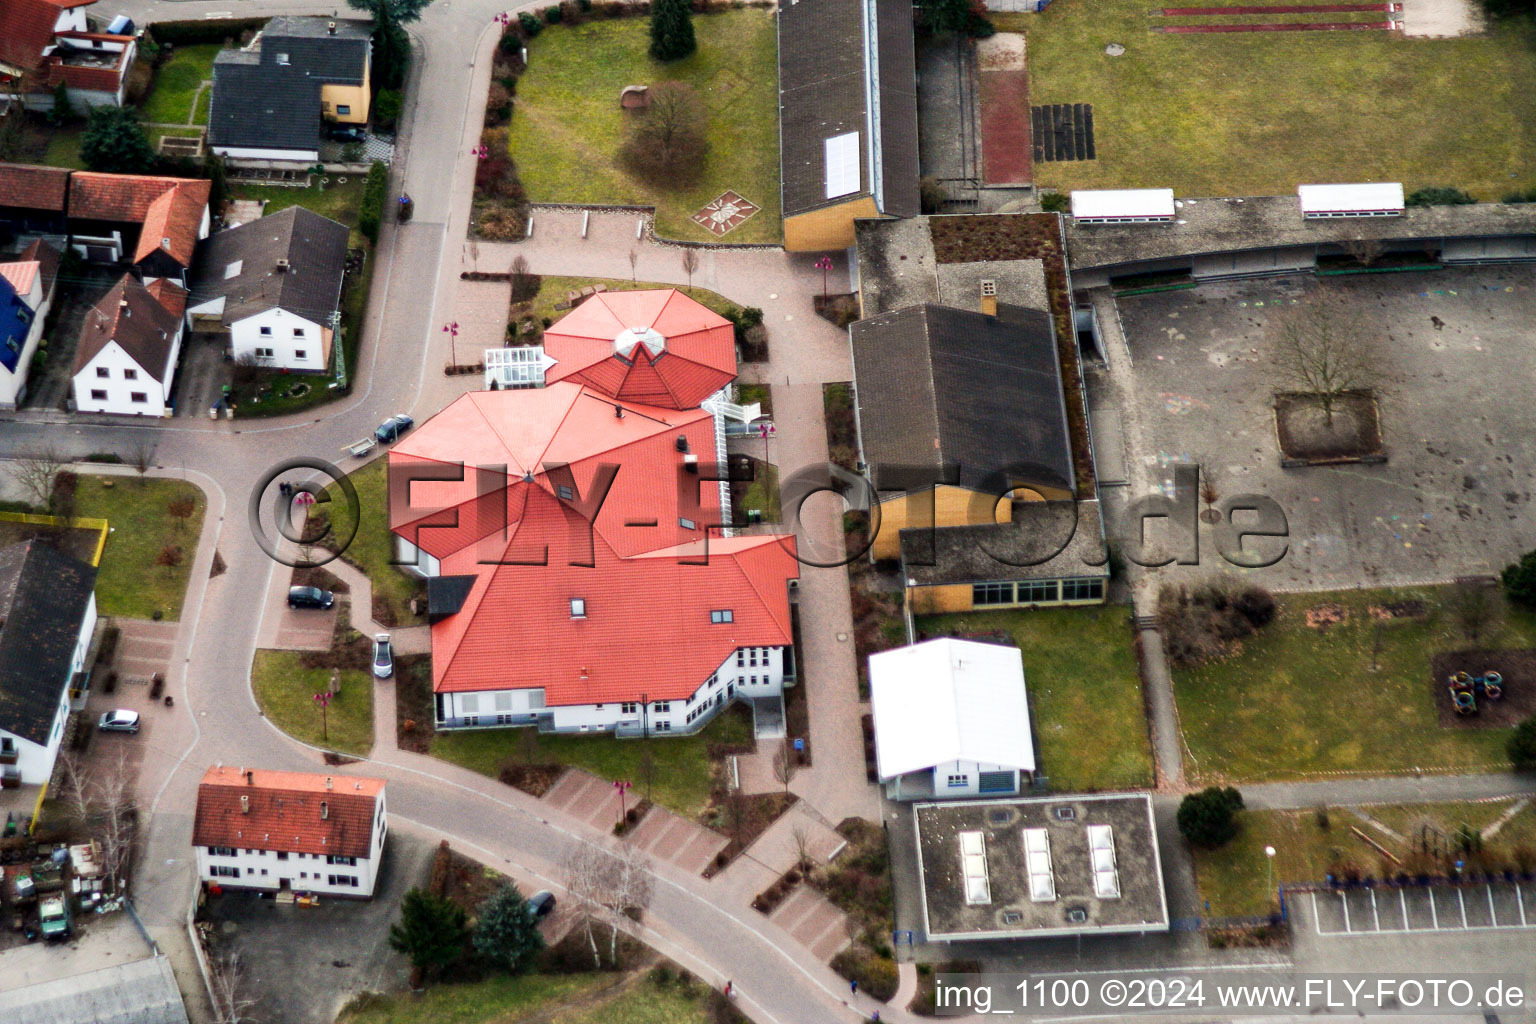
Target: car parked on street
{"points": [[383, 657], [310, 597], [120, 720], [392, 428]]}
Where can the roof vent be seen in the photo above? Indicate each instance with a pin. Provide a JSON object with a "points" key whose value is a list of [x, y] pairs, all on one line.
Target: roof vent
{"points": [[1000, 816], [1066, 813], [682, 442], [325, 808], [1012, 917], [282, 266], [1077, 915], [618, 411], [989, 287], [245, 804], [330, 28], [328, 782], [250, 777]]}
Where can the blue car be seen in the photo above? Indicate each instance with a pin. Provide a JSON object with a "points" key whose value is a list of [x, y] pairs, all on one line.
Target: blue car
{"points": [[391, 429]]}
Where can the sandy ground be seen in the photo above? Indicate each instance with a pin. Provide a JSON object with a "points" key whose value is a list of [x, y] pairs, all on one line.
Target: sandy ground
{"points": [[1441, 18]]}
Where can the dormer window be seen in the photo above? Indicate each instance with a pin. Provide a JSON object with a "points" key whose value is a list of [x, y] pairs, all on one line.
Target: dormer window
{"points": [[282, 60], [578, 607], [721, 615], [566, 493]]}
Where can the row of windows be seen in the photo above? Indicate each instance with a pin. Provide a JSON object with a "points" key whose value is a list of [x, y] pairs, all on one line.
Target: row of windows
{"points": [[136, 396], [957, 781], [227, 851], [1036, 591], [266, 332], [106, 373], [269, 353], [225, 871], [746, 657]]}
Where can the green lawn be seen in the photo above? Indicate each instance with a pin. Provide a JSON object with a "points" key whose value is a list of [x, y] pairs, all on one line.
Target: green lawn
{"points": [[1259, 113], [553, 289], [1084, 691], [286, 690], [499, 999], [373, 548], [64, 148], [1296, 700], [338, 201], [645, 1003], [176, 81], [567, 126], [1236, 880], [682, 776], [128, 582]]}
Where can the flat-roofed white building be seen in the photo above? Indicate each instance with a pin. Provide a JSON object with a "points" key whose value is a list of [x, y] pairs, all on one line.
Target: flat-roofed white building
{"points": [[1123, 206], [1369, 199]]}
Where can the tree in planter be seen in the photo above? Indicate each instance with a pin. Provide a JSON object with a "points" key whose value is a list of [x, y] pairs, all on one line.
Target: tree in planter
{"points": [[1209, 818], [114, 142], [1522, 746], [666, 141], [1325, 350], [507, 933], [431, 932], [672, 29], [1519, 579], [784, 766]]}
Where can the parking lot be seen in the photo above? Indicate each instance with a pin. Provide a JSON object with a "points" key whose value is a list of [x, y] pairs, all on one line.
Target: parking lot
{"points": [[1493, 905], [1454, 497]]}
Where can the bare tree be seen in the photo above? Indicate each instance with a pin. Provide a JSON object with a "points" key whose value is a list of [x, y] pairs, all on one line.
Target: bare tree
{"points": [[1365, 251], [628, 893], [36, 474], [113, 793], [634, 258], [802, 837], [226, 979], [607, 887], [1210, 490], [76, 787], [527, 744], [181, 509], [247, 368], [525, 285], [141, 456], [1476, 608], [586, 872], [474, 254], [171, 556], [784, 765], [668, 140], [645, 767], [1325, 350], [690, 264]]}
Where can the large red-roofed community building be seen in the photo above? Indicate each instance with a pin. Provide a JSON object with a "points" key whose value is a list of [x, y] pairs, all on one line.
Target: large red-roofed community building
{"points": [[289, 832], [580, 575]]}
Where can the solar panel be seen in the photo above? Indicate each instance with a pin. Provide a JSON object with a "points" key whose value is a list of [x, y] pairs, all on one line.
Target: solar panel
{"points": [[842, 156]]}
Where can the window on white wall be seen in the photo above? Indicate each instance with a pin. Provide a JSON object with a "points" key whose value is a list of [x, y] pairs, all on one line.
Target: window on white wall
{"points": [[130, 375], [98, 394], [300, 353], [266, 332], [138, 396]]}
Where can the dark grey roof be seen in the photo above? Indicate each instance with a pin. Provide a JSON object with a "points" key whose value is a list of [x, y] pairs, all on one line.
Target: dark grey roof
{"points": [[942, 387], [446, 594], [43, 598], [314, 246], [269, 98], [823, 92], [1046, 540]]}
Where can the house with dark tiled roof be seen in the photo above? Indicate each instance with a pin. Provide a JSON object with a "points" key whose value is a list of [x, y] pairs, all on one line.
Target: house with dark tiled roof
{"points": [[47, 43], [26, 295], [153, 222], [289, 832], [130, 342], [275, 285], [847, 118], [47, 616], [272, 99], [33, 199]]}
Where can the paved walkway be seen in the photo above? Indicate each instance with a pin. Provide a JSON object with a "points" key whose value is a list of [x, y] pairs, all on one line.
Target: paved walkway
{"points": [[815, 924], [675, 839]]}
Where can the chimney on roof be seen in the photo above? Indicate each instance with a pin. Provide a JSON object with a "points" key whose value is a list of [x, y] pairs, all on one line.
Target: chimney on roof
{"points": [[330, 28], [282, 266], [250, 777], [327, 782], [618, 411], [989, 297], [682, 442], [165, 243], [325, 810], [245, 804]]}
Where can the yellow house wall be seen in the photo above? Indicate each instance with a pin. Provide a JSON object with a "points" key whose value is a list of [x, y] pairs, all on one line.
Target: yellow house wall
{"points": [[354, 96], [952, 506], [939, 600], [828, 228]]}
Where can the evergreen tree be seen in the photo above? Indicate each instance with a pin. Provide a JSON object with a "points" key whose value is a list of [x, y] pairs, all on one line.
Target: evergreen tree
{"points": [[1522, 746], [506, 932], [1209, 818], [114, 142], [1520, 581], [391, 45], [431, 931], [671, 29]]}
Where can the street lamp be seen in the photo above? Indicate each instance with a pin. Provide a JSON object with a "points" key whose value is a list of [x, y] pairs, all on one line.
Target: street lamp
{"points": [[1269, 860], [766, 430], [622, 785], [323, 701], [452, 330], [824, 264]]}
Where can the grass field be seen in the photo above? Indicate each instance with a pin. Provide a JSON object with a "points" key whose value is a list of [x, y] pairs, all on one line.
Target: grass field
{"points": [[567, 125], [373, 546], [552, 290], [545, 998], [128, 582], [1296, 700], [683, 771], [176, 81], [286, 692], [1084, 691], [1259, 113], [1236, 880], [337, 201]]}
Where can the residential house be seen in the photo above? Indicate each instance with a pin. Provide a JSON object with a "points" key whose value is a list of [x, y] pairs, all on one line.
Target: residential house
{"points": [[275, 285], [47, 617], [289, 832], [154, 222], [33, 200], [271, 100], [26, 295], [951, 720], [47, 43], [125, 361], [847, 118], [574, 527]]}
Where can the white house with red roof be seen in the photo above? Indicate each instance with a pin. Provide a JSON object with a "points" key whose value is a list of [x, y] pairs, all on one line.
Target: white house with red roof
{"points": [[580, 576], [289, 832]]}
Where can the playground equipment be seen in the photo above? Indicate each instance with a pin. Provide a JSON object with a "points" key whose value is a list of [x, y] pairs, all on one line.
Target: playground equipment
{"points": [[1465, 688]]}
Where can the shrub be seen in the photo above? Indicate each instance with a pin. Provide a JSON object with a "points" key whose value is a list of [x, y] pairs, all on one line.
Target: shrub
{"points": [[876, 975], [530, 24], [1201, 624], [1528, 196], [1439, 196], [554, 13], [931, 194], [498, 105], [1055, 202], [114, 142], [1209, 818], [386, 108], [375, 192], [1519, 579], [1522, 746]]}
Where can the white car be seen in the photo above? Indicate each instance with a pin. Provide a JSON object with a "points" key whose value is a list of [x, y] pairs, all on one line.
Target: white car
{"points": [[121, 720], [383, 657]]}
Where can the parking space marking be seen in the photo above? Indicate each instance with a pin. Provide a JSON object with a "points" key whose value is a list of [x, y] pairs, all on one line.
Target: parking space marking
{"points": [[1433, 911], [1375, 916], [1520, 902], [1354, 924], [1462, 900], [1402, 904]]}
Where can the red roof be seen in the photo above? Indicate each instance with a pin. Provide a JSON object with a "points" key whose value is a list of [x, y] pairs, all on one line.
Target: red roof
{"points": [[172, 221], [169, 294], [293, 811], [32, 187], [659, 347], [48, 259], [26, 28], [126, 198], [69, 4]]}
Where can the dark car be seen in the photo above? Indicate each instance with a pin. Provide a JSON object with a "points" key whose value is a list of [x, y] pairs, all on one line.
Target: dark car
{"points": [[346, 133], [310, 597], [542, 903], [392, 428]]}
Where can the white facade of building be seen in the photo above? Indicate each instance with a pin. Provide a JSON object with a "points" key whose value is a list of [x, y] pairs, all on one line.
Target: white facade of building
{"points": [[275, 869], [113, 382], [748, 672], [281, 340], [34, 761], [13, 384]]}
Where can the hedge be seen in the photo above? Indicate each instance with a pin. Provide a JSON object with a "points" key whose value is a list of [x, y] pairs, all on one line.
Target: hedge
{"points": [[375, 192], [186, 33]]}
